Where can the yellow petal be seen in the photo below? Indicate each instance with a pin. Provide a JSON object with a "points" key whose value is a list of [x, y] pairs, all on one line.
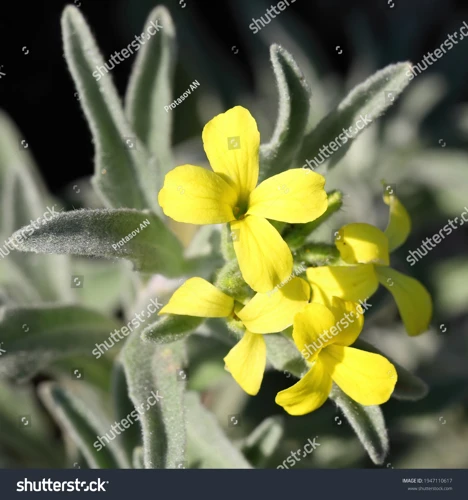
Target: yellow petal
{"points": [[231, 141], [246, 361], [362, 243], [274, 311], [399, 223], [351, 283], [366, 377], [308, 394], [349, 317], [197, 297], [311, 330], [412, 299], [295, 196], [197, 196], [264, 258]]}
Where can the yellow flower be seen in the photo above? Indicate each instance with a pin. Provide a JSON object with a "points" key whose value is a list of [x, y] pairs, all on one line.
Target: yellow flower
{"points": [[365, 249], [264, 313], [365, 377], [229, 194]]}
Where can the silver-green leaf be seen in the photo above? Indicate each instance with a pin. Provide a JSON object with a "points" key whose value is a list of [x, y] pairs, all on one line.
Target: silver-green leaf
{"points": [[33, 338], [80, 413], [369, 99], [140, 237], [120, 156], [20, 413], [367, 422], [24, 198], [283, 355], [262, 443], [156, 370], [138, 458], [209, 447], [170, 328], [149, 94], [294, 102], [123, 406]]}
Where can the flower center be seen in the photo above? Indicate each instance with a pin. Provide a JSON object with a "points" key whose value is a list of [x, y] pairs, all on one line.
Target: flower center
{"points": [[240, 209]]}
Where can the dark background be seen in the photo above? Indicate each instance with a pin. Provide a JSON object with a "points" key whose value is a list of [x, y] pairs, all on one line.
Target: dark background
{"points": [[38, 93]]}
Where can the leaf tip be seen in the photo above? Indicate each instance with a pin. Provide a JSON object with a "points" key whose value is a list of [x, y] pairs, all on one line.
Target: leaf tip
{"points": [[162, 13]]}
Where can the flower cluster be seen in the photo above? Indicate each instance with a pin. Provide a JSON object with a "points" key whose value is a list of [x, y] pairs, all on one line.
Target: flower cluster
{"points": [[230, 195]]}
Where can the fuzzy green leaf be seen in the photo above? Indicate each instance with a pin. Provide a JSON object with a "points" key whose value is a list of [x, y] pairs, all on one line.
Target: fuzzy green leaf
{"points": [[149, 91], [123, 406], [409, 387], [294, 102], [156, 369], [317, 254], [367, 422], [209, 447], [170, 328], [372, 98], [152, 247], [138, 458], [203, 252], [283, 354], [97, 374], [262, 443], [230, 281], [105, 281], [227, 245], [19, 178], [33, 338], [18, 287], [25, 428], [79, 412], [24, 198], [120, 157]]}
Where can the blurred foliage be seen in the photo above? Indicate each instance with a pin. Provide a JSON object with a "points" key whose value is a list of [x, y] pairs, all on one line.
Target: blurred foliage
{"points": [[419, 146]]}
